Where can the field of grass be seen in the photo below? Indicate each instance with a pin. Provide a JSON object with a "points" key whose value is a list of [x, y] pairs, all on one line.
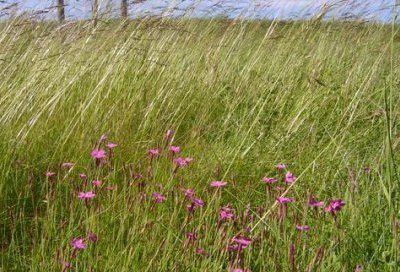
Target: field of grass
{"points": [[240, 97]]}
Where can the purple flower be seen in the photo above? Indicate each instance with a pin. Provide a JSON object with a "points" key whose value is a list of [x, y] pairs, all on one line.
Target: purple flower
{"points": [[86, 195], [83, 176], [226, 213], [312, 202], [268, 180], [284, 199], [303, 227], [218, 183], [201, 251], [290, 177], [78, 243], [98, 153], [182, 161], [197, 202], [280, 166], [191, 236], [335, 205], [66, 265], [111, 145], [67, 164], [92, 237], [159, 198], [50, 174], [241, 242], [189, 193], [175, 149], [153, 152], [97, 182]]}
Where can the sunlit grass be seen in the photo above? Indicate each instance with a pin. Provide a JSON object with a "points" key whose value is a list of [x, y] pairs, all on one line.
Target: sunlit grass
{"points": [[241, 96]]}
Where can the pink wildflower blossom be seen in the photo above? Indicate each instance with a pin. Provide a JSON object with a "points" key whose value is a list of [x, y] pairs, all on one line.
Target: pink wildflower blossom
{"points": [[284, 199], [226, 213], [83, 176], [303, 227], [92, 237], [67, 164], [218, 183], [280, 166], [175, 149], [86, 195], [335, 205], [159, 198], [50, 174], [201, 251], [78, 243], [98, 153], [290, 177], [97, 182], [111, 145], [153, 152], [312, 202], [268, 180], [189, 193]]}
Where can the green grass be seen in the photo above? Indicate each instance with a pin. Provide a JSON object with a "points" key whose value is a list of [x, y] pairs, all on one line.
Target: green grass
{"points": [[241, 96]]}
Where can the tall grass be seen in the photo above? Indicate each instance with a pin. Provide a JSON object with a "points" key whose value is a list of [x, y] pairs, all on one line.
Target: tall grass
{"points": [[241, 96]]}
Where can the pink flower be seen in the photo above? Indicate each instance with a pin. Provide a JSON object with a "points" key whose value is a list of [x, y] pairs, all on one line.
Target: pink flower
{"points": [[280, 166], [303, 227], [78, 243], [97, 182], [284, 199], [67, 164], [182, 161], [92, 237], [195, 202], [66, 265], [226, 213], [201, 251], [158, 198], [50, 174], [86, 195], [218, 183], [290, 177], [191, 236], [82, 176], [241, 242], [153, 152], [98, 153], [268, 180], [198, 202], [335, 205], [189, 193], [312, 202], [111, 145], [175, 149]]}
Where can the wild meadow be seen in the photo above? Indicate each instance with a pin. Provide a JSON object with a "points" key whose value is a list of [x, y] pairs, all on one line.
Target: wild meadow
{"points": [[199, 145]]}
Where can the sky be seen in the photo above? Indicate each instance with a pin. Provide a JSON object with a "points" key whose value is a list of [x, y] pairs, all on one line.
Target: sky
{"points": [[381, 10]]}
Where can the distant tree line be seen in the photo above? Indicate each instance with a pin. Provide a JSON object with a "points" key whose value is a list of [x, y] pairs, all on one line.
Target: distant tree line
{"points": [[95, 9]]}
